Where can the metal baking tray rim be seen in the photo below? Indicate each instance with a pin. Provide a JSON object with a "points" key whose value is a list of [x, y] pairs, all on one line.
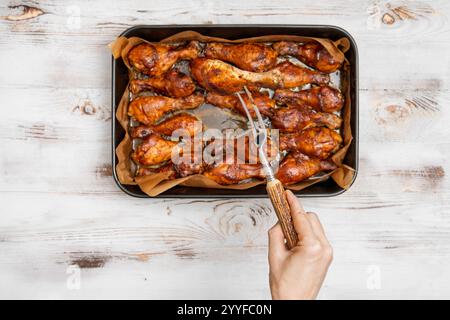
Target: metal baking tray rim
{"points": [[355, 104]]}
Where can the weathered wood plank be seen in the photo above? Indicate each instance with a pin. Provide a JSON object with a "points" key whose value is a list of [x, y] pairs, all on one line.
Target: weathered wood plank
{"points": [[141, 240], [368, 18]]}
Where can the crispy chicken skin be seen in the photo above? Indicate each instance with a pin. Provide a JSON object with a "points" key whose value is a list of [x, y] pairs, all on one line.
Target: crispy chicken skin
{"points": [[296, 167], [227, 174], [315, 142], [156, 59], [149, 109], [321, 98], [311, 53], [153, 150], [184, 121], [254, 57], [173, 83], [219, 76], [263, 102], [293, 119]]}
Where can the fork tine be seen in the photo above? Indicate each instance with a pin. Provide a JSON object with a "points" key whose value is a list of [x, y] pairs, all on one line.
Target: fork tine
{"points": [[250, 119], [262, 126]]}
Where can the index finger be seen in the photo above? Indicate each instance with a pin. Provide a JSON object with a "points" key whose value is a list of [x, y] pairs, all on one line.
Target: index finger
{"points": [[277, 248], [302, 225]]}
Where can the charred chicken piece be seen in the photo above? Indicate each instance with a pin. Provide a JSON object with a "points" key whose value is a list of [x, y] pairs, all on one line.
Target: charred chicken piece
{"points": [[149, 109], [296, 167], [263, 102], [311, 53], [321, 98], [166, 168], [153, 150], [219, 76], [226, 174], [314, 142], [254, 57], [156, 59], [293, 119], [173, 83], [181, 121]]}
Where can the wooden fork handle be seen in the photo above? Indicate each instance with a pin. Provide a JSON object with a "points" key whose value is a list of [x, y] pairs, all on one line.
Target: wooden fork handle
{"points": [[278, 197]]}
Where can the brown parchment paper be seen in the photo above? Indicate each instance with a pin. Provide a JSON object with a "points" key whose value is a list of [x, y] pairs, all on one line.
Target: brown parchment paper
{"points": [[158, 183]]}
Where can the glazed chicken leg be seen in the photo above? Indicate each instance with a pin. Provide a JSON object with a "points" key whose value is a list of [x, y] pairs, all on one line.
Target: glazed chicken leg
{"points": [[153, 150], [321, 98], [173, 83], [263, 102], [156, 59], [254, 57], [296, 167], [315, 142], [226, 174], [180, 122], [311, 53], [148, 109], [216, 75], [292, 119]]}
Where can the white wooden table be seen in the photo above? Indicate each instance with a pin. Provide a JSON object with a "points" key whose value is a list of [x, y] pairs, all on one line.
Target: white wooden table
{"points": [[66, 230]]}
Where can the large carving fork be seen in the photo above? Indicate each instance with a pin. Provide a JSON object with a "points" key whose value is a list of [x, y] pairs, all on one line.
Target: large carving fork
{"points": [[274, 187]]}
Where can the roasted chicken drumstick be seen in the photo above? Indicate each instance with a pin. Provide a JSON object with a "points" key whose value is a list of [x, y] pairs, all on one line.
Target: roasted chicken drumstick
{"points": [[254, 57], [240, 150], [311, 53], [292, 119], [226, 174], [149, 109], [173, 83], [216, 75], [153, 150], [296, 167], [156, 59], [321, 98], [263, 102], [182, 121], [315, 142]]}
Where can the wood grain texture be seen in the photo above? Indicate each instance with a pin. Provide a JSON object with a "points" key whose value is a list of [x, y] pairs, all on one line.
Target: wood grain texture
{"points": [[277, 196], [61, 210]]}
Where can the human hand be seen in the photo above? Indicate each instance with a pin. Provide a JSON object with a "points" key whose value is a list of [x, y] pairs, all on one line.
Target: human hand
{"points": [[298, 273]]}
